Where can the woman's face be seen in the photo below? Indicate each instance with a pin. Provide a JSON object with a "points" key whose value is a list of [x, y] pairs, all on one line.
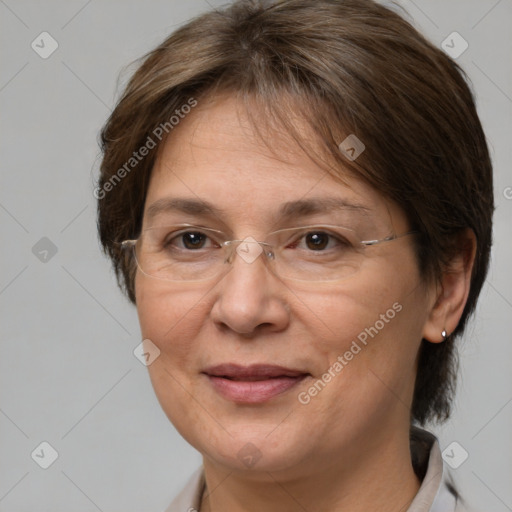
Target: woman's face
{"points": [[357, 339]]}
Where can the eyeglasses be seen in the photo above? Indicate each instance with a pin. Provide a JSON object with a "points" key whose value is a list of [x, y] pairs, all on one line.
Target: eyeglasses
{"points": [[186, 252]]}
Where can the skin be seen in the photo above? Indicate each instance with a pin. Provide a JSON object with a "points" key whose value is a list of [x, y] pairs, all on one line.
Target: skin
{"points": [[348, 448]]}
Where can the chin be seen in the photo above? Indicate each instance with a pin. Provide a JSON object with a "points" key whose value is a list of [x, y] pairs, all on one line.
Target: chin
{"points": [[247, 452]]}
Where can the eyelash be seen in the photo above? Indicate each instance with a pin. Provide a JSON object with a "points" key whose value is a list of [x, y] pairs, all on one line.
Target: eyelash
{"points": [[301, 236]]}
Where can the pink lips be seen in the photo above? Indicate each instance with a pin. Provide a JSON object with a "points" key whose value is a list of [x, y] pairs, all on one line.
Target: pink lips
{"points": [[252, 384]]}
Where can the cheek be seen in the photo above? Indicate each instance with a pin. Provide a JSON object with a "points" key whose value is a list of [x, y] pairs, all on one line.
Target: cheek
{"points": [[375, 338], [371, 364], [336, 317], [376, 320], [170, 318]]}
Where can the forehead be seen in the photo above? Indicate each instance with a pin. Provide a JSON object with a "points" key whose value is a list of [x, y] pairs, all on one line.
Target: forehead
{"points": [[248, 169]]}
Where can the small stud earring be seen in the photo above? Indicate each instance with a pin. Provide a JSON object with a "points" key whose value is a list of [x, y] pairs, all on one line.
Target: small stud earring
{"points": [[444, 335]]}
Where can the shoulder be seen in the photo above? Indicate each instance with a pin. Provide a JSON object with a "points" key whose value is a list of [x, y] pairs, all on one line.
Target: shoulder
{"points": [[437, 492], [189, 499]]}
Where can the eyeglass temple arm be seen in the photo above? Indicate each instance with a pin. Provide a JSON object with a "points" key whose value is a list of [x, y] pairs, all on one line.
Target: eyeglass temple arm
{"points": [[388, 238]]}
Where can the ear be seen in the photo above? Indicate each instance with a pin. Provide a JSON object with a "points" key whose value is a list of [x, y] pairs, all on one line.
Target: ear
{"points": [[451, 292]]}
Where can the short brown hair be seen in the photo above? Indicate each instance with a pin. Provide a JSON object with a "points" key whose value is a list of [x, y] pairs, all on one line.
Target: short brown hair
{"points": [[348, 67]]}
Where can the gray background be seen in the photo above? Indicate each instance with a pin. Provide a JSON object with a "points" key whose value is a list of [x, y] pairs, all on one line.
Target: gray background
{"points": [[68, 375]]}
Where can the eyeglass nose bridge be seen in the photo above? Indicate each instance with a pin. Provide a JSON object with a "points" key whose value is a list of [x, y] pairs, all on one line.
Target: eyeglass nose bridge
{"points": [[249, 249]]}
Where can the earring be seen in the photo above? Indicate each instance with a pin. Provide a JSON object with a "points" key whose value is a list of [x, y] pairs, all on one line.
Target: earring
{"points": [[444, 335]]}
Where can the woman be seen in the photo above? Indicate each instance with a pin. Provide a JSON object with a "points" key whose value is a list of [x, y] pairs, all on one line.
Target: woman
{"points": [[297, 196]]}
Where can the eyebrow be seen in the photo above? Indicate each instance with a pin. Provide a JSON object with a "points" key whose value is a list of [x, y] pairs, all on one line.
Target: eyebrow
{"points": [[288, 210], [304, 207], [189, 206]]}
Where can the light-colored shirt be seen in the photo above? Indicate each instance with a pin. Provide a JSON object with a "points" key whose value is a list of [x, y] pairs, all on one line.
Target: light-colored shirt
{"points": [[435, 494]]}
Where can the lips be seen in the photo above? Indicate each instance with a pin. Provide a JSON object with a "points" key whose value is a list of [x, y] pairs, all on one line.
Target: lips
{"points": [[253, 372], [252, 384]]}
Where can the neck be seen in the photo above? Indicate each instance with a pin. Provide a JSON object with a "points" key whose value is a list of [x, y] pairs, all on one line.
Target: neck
{"points": [[379, 475]]}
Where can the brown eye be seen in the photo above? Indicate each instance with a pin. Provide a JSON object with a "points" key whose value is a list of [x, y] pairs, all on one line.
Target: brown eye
{"points": [[317, 241], [187, 241], [193, 240]]}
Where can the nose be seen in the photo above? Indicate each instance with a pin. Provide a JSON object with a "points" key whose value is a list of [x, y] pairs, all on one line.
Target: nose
{"points": [[250, 299]]}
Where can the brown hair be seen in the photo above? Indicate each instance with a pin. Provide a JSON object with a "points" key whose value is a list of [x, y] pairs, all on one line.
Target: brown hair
{"points": [[346, 67]]}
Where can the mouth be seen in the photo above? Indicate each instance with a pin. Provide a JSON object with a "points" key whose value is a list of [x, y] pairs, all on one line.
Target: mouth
{"points": [[253, 384]]}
